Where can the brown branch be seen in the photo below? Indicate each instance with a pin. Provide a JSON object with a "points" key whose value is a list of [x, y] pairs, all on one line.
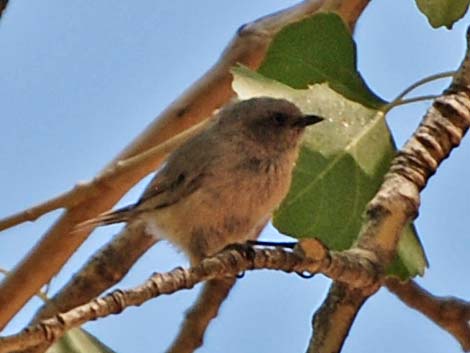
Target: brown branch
{"points": [[451, 314], [67, 199], [210, 92], [397, 201], [335, 316], [197, 319], [311, 256], [103, 270]]}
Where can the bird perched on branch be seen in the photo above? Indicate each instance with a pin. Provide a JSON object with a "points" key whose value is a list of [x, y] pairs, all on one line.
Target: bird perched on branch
{"points": [[223, 184]]}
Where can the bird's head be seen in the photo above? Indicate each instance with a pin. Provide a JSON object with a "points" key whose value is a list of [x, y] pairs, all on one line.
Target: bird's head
{"points": [[273, 123]]}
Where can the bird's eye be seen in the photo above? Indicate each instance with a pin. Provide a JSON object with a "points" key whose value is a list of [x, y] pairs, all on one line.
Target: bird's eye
{"points": [[279, 119]]}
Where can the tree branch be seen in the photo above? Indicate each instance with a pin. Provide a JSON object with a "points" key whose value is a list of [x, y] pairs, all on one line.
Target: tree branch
{"points": [[208, 93], [397, 201], [211, 91], [451, 314], [335, 316], [197, 319], [103, 270], [310, 256]]}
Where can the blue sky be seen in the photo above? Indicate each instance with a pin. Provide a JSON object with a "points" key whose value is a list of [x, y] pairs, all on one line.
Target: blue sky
{"points": [[80, 79]]}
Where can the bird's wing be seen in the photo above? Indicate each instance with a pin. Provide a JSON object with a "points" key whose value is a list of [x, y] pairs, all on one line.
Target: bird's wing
{"points": [[182, 174]]}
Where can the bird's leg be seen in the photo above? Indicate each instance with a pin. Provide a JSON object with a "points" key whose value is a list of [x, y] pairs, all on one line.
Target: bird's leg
{"points": [[283, 244], [289, 245]]}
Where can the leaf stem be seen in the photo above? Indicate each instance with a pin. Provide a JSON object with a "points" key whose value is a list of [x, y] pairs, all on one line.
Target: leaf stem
{"points": [[423, 82], [399, 99], [396, 103]]}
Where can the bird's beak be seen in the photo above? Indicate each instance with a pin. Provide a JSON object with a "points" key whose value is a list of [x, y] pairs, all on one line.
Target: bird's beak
{"points": [[307, 120]]}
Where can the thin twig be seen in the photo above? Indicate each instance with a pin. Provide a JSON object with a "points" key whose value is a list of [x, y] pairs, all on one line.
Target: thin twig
{"points": [[451, 314], [148, 160], [446, 74], [386, 108]]}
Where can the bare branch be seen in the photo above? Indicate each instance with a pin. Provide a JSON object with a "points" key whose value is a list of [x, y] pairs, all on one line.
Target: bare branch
{"points": [[66, 199], [397, 201], [335, 316], [103, 270], [197, 319], [141, 165], [451, 314], [317, 259]]}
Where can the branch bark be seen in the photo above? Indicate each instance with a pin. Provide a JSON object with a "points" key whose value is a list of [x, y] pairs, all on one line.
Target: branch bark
{"points": [[310, 256], [103, 270], [334, 317], [397, 201]]}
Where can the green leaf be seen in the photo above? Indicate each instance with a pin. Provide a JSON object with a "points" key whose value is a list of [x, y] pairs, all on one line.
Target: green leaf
{"points": [[79, 341], [340, 168], [443, 12], [315, 50]]}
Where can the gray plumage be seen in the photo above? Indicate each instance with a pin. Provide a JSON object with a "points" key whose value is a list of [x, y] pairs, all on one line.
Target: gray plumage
{"points": [[222, 185]]}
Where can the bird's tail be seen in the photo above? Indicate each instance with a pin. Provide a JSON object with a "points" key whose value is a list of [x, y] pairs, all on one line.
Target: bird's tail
{"points": [[123, 214]]}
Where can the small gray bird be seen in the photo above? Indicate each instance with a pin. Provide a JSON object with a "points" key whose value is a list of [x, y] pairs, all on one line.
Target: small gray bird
{"points": [[222, 185]]}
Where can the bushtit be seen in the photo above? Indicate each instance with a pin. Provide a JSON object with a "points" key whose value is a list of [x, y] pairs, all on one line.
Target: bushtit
{"points": [[222, 185]]}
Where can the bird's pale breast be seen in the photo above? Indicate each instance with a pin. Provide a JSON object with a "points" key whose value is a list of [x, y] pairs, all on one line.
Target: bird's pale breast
{"points": [[228, 208]]}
